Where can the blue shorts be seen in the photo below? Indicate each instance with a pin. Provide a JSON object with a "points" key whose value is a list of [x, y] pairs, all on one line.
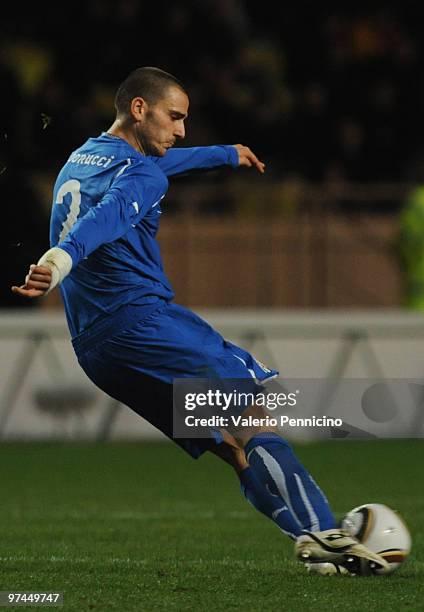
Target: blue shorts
{"points": [[138, 366]]}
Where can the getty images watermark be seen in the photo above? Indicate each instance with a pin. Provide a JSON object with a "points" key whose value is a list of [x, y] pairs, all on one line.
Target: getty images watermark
{"points": [[230, 403], [301, 408]]}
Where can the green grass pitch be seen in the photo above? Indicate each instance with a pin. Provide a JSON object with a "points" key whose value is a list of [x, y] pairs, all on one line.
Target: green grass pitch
{"points": [[129, 526]]}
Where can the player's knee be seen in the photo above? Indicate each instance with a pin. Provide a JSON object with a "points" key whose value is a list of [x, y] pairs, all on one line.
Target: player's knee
{"points": [[262, 424]]}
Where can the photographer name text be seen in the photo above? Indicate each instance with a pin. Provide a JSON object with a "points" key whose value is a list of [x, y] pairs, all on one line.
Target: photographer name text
{"points": [[268, 421]]}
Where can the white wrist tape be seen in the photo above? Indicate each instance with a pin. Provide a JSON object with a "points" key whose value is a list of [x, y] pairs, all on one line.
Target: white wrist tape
{"points": [[59, 262]]}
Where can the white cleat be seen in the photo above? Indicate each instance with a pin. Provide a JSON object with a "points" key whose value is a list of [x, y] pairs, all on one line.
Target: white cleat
{"points": [[339, 548]]}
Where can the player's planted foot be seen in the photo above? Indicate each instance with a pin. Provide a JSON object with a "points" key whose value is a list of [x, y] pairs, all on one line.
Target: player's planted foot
{"points": [[337, 546], [327, 569]]}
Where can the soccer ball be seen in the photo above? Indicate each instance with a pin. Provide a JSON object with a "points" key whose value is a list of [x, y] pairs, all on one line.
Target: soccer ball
{"points": [[382, 530]]}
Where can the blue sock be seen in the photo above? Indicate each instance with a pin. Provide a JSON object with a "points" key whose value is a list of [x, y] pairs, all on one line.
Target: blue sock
{"points": [[258, 494], [274, 463]]}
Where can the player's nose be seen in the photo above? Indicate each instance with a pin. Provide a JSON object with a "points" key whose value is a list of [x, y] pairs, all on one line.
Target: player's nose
{"points": [[179, 131]]}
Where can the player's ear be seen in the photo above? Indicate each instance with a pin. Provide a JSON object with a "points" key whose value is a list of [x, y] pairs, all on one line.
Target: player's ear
{"points": [[138, 108]]}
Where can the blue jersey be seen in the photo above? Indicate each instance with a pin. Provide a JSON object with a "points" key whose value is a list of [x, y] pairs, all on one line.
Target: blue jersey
{"points": [[107, 203]]}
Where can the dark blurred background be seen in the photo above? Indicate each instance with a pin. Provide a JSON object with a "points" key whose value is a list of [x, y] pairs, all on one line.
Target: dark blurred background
{"points": [[330, 99]]}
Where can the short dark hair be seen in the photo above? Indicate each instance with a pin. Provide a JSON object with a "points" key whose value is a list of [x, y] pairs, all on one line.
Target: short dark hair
{"points": [[148, 83]]}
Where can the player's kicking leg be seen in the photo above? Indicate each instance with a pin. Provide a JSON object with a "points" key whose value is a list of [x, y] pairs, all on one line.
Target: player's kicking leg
{"points": [[276, 483]]}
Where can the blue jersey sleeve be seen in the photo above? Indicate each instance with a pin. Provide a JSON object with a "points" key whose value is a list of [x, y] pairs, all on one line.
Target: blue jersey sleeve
{"points": [[179, 160], [127, 201]]}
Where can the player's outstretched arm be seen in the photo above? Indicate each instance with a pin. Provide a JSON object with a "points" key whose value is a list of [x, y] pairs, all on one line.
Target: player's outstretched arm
{"points": [[182, 160], [37, 282], [248, 158]]}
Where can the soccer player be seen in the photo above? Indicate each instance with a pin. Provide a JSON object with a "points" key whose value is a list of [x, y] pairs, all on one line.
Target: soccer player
{"points": [[129, 337]]}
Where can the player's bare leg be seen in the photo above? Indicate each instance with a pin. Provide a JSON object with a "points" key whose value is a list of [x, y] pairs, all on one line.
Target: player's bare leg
{"points": [[231, 451], [243, 434]]}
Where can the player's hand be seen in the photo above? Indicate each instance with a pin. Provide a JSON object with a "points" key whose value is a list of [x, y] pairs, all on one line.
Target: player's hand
{"points": [[248, 158], [37, 282]]}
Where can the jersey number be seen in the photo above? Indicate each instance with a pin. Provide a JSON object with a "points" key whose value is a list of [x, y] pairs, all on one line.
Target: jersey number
{"points": [[73, 187]]}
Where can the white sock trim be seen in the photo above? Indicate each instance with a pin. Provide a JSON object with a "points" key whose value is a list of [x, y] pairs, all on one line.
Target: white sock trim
{"points": [[277, 476], [59, 262], [315, 526]]}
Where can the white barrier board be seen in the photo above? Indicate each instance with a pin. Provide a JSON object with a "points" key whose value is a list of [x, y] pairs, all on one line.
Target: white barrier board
{"points": [[36, 357]]}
